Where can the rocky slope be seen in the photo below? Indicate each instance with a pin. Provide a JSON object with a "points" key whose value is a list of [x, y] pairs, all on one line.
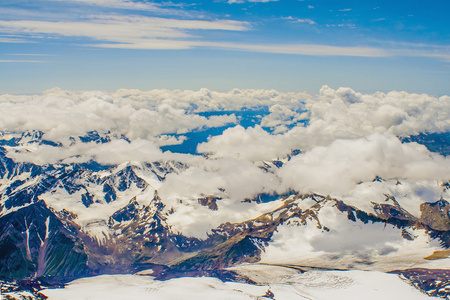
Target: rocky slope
{"points": [[66, 221]]}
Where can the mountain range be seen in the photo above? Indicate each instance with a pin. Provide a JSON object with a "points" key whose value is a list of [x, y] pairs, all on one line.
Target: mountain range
{"points": [[60, 222]]}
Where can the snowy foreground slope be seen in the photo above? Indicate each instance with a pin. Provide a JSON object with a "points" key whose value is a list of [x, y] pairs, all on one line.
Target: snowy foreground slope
{"points": [[284, 285], [250, 193]]}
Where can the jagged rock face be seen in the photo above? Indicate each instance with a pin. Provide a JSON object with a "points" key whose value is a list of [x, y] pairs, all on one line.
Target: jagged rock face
{"points": [[433, 282], [34, 242], [243, 242], [43, 231], [436, 215], [210, 202], [28, 289], [38, 240]]}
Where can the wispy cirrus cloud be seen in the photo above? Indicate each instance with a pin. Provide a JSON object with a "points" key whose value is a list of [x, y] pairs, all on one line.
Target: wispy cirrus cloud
{"points": [[408, 49], [20, 61], [341, 25], [123, 4], [29, 54], [135, 31], [303, 49], [251, 1], [141, 32], [12, 40], [299, 20], [427, 53]]}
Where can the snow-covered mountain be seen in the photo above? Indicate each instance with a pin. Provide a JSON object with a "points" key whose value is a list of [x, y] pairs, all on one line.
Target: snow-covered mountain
{"points": [[73, 220], [321, 194]]}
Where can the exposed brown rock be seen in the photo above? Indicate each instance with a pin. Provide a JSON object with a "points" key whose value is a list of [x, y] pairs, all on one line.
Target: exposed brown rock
{"points": [[436, 215], [209, 201]]}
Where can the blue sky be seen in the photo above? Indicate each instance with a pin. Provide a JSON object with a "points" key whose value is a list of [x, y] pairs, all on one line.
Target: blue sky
{"points": [[285, 45]]}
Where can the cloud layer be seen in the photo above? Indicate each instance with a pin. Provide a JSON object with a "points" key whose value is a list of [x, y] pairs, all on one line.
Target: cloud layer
{"points": [[340, 166], [331, 115], [296, 120], [60, 114], [346, 139]]}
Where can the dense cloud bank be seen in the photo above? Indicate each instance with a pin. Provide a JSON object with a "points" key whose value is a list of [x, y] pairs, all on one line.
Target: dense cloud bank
{"points": [[161, 117], [346, 140], [60, 114], [332, 114], [345, 163]]}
